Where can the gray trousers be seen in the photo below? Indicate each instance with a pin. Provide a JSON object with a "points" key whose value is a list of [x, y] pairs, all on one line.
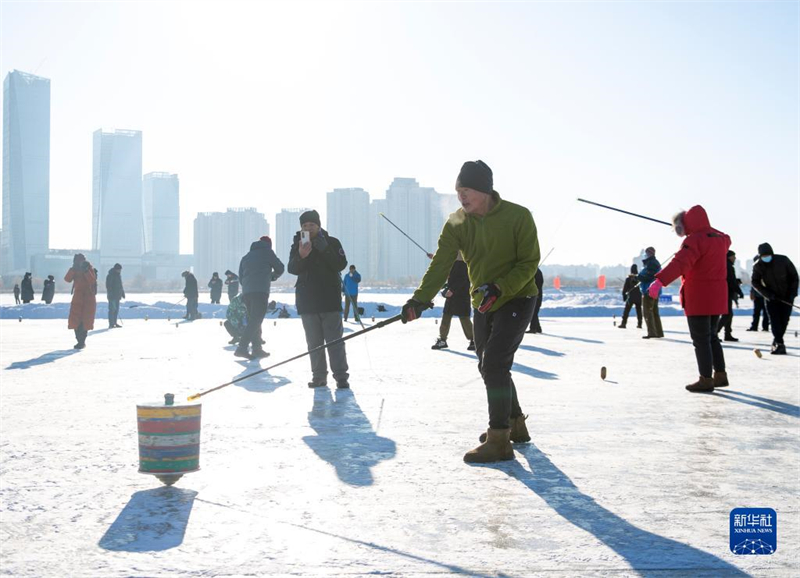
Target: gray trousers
{"points": [[323, 328]]}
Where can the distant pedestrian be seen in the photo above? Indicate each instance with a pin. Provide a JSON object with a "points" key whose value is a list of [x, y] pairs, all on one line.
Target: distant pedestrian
{"points": [[257, 270], [536, 326], [759, 308], [215, 284], [734, 293], [317, 258], [232, 281], [646, 276], [632, 297], [27, 288], [49, 290], [84, 303], [192, 294], [350, 288], [16, 293], [700, 262], [457, 304], [114, 293], [775, 277]]}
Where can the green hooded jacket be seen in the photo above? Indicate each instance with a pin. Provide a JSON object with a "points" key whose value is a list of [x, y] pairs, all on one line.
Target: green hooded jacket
{"points": [[501, 247]]}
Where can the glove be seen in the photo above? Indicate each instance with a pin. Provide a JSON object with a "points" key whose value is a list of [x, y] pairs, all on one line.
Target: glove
{"points": [[445, 289], [412, 310], [319, 243], [491, 293], [654, 289]]}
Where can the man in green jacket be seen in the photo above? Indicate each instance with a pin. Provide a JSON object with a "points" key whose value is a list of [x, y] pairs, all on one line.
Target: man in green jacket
{"points": [[499, 243]]}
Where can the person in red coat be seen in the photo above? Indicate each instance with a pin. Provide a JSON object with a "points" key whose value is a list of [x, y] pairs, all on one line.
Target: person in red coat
{"points": [[84, 302], [702, 263]]}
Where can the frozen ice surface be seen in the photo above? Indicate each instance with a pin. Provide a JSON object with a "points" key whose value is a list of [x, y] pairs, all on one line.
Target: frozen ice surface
{"points": [[632, 476]]}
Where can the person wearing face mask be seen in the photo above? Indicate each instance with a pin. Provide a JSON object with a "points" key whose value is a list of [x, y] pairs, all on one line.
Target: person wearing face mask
{"points": [[775, 277], [701, 262]]}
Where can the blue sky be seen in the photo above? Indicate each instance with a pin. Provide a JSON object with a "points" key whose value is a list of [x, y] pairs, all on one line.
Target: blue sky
{"points": [[651, 106]]}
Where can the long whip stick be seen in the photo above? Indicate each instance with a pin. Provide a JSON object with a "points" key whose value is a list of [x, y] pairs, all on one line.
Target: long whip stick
{"points": [[404, 233], [626, 212]]}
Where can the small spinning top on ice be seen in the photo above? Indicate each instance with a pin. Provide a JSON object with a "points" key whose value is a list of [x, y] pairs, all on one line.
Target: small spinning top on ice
{"points": [[758, 353], [603, 371], [169, 439]]}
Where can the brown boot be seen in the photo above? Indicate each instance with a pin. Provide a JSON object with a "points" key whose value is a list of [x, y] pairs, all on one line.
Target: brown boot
{"points": [[720, 379], [519, 431], [496, 448], [702, 385]]}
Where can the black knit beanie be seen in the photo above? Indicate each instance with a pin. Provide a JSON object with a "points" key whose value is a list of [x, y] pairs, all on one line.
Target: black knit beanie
{"points": [[310, 217], [765, 249], [476, 175]]}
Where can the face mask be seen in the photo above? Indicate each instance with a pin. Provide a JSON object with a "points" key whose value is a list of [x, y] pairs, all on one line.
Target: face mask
{"points": [[766, 258]]}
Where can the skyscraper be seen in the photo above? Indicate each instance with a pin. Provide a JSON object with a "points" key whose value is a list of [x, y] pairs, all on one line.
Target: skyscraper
{"points": [[287, 223], [117, 215], [161, 213], [26, 170], [222, 239], [348, 221]]}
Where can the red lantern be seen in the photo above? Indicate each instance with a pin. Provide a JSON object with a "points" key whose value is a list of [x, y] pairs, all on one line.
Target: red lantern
{"points": [[601, 282]]}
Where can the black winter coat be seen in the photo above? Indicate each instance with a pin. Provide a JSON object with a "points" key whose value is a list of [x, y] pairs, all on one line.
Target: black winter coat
{"points": [[259, 268], [233, 286], [27, 289], [49, 291], [319, 287], [776, 279], [458, 282], [631, 290], [114, 290], [216, 288], [734, 289], [191, 287]]}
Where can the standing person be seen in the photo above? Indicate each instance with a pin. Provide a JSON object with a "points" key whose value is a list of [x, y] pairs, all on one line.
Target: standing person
{"points": [[456, 294], [84, 303], [192, 294], [215, 284], [759, 307], [700, 262], [350, 288], [646, 276], [49, 290], [27, 288], [734, 293], [16, 293], [257, 270], [232, 281], [114, 292], [500, 245], [317, 258], [632, 297], [536, 327], [775, 277]]}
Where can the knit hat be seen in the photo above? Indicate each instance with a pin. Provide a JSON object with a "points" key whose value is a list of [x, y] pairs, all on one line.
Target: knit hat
{"points": [[476, 175], [650, 252], [117, 266], [765, 249], [634, 269], [310, 217], [731, 254]]}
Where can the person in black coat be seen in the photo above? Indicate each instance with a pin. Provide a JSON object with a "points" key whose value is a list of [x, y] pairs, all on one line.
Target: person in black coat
{"points": [[457, 304], [115, 293], [775, 277], [536, 327], [215, 284], [49, 290], [759, 308], [633, 298], [232, 281], [192, 294], [317, 259], [27, 288], [734, 293]]}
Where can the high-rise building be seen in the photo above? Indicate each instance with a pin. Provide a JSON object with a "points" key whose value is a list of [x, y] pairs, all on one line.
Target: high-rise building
{"points": [[348, 221], [161, 213], [287, 223], [26, 170], [117, 215], [378, 262], [222, 239]]}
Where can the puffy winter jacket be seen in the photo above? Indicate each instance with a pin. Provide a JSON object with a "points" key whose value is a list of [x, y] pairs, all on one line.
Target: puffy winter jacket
{"points": [[776, 279], [114, 290], [318, 288], [49, 290], [259, 268], [27, 288], [701, 262], [650, 266], [630, 291], [190, 290], [351, 283], [215, 284], [84, 304], [458, 283], [233, 286]]}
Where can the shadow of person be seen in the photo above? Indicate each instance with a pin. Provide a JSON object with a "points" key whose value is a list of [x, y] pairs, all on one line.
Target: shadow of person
{"points": [[518, 367], [261, 383], [152, 521], [648, 554], [542, 350], [758, 401], [344, 437], [42, 359]]}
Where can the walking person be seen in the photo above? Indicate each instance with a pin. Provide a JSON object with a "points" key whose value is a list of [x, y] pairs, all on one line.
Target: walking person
{"points": [[350, 288], [759, 308], [83, 307], [646, 276], [456, 294], [257, 270], [536, 327], [16, 293], [734, 293], [632, 297], [499, 243], [215, 284], [232, 282], [700, 262], [49, 290], [317, 259], [114, 292], [27, 288], [192, 294], [775, 277]]}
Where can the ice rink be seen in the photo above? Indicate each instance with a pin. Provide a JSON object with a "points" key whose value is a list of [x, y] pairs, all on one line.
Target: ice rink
{"points": [[631, 476]]}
